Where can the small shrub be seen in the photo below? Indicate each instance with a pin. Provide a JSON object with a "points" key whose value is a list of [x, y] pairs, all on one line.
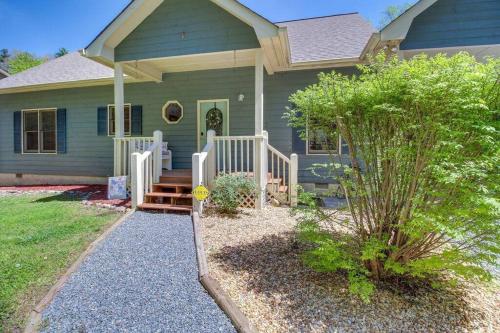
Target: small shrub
{"points": [[227, 191]]}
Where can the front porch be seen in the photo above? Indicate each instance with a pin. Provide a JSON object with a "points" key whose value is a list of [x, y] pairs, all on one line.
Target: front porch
{"points": [[155, 188], [218, 152]]}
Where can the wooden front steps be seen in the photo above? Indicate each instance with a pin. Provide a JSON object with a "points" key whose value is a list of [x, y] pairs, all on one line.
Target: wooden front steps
{"points": [[171, 194]]}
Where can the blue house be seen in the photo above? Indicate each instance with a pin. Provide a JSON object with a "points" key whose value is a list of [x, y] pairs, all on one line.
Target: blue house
{"points": [[174, 92]]}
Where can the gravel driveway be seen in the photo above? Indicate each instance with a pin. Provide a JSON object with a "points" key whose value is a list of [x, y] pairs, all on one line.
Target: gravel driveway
{"points": [[142, 278]]}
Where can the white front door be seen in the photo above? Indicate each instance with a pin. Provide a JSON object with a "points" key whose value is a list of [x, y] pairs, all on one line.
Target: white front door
{"points": [[212, 115]]}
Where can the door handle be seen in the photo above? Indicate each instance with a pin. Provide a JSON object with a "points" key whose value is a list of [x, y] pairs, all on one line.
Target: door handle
{"points": [[202, 134]]}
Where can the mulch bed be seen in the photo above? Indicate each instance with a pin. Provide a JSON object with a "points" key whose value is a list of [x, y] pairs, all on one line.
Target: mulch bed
{"points": [[93, 195], [256, 259]]}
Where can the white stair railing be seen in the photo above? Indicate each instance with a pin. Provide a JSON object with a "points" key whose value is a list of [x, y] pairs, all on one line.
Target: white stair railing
{"points": [[243, 155], [146, 169], [283, 176], [204, 169], [249, 156]]}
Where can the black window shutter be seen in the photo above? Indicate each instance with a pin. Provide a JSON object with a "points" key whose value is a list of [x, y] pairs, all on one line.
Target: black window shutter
{"points": [[61, 131], [102, 121], [136, 120], [17, 132]]}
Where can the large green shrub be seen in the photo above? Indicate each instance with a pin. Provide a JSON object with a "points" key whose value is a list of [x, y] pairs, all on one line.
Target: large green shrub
{"points": [[228, 189], [422, 175]]}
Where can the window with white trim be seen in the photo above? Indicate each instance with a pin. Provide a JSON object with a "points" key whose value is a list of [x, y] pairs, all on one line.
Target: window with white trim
{"points": [[319, 143], [127, 119], [40, 131]]}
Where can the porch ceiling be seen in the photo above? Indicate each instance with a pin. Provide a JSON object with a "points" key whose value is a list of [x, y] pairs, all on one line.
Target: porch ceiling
{"points": [[196, 62]]}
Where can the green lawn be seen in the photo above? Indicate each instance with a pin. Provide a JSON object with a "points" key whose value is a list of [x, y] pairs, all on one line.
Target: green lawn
{"points": [[40, 236]]}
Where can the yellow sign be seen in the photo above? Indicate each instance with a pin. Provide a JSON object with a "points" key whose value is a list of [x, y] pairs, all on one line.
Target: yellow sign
{"points": [[201, 193]]}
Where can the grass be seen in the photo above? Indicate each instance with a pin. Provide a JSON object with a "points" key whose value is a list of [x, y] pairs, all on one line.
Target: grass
{"points": [[40, 236]]}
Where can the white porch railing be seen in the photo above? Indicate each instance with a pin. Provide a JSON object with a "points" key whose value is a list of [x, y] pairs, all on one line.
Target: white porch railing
{"points": [[250, 156], [124, 148], [145, 168]]}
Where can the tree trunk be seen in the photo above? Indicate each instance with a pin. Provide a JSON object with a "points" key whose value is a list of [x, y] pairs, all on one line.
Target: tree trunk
{"points": [[376, 268]]}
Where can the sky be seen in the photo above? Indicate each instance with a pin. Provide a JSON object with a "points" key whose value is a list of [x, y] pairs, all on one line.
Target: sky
{"points": [[42, 27]]}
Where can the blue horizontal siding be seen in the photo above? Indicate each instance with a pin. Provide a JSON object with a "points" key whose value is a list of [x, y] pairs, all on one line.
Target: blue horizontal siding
{"points": [[89, 154], [184, 27], [451, 23], [278, 88]]}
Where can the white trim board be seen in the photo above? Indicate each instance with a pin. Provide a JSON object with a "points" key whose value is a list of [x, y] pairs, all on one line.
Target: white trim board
{"points": [[66, 85], [199, 61], [479, 51]]}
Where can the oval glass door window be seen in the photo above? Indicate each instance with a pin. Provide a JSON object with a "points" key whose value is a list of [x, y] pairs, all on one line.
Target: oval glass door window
{"points": [[215, 121]]}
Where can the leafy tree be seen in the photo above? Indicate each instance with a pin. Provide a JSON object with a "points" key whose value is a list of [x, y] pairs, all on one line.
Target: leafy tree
{"points": [[392, 12], [62, 52], [422, 176], [4, 55], [22, 61]]}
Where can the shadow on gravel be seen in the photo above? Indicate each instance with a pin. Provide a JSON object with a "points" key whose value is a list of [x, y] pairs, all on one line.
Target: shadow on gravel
{"points": [[309, 300], [62, 197]]}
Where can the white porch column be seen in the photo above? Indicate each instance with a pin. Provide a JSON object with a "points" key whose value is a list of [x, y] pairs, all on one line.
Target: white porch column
{"points": [[261, 141], [119, 102], [259, 92], [119, 119]]}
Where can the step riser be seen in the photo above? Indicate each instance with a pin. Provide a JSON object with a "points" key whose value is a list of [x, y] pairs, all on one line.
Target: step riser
{"points": [[165, 207], [176, 180]]}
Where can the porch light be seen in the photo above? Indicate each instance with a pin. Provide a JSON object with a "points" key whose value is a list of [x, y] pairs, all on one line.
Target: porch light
{"points": [[241, 97]]}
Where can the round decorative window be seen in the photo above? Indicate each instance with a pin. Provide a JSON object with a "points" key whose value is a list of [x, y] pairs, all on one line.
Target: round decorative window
{"points": [[173, 112]]}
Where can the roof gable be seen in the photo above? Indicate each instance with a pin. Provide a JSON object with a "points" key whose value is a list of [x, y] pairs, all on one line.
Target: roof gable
{"points": [[186, 27], [103, 47], [455, 23], [398, 28]]}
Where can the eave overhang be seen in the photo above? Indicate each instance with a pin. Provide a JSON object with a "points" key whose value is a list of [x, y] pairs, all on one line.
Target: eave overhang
{"points": [[397, 30]]}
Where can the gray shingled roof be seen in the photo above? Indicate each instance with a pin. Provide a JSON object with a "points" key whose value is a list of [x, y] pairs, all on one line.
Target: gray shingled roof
{"points": [[316, 39], [328, 38], [70, 68]]}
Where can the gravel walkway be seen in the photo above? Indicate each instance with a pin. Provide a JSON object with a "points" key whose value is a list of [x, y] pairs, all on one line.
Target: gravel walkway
{"points": [[142, 278]]}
